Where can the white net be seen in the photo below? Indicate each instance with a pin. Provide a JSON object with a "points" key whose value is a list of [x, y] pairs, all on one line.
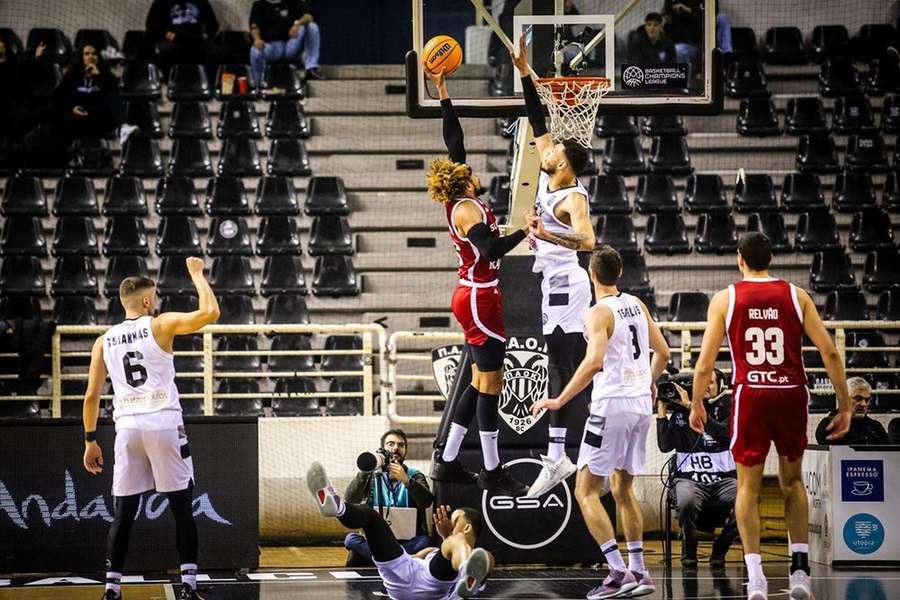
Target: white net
{"points": [[572, 103]]}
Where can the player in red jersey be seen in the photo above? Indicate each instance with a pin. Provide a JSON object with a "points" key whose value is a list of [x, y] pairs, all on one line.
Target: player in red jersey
{"points": [[765, 319], [476, 304]]}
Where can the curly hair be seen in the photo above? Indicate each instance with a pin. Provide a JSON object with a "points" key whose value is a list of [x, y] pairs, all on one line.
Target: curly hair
{"points": [[447, 180]]}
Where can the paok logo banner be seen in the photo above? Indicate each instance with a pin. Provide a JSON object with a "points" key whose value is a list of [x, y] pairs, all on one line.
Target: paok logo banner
{"points": [[444, 363], [862, 480], [524, 382]]}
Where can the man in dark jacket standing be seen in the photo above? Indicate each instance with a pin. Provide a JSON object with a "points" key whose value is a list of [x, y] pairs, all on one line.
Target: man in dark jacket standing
{"points": [[182, 32], [864, 430], [282, 30]]}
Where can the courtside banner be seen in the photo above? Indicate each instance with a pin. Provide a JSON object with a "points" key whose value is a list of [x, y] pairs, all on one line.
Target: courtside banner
{"points": [[54, 515]]}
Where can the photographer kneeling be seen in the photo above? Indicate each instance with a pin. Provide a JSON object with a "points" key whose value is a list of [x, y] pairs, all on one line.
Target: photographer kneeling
{"points": [[704, 468], [383, 483]]}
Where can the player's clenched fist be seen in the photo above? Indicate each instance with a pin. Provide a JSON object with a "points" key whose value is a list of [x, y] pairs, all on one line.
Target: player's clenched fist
{"points": [[194, 265]]}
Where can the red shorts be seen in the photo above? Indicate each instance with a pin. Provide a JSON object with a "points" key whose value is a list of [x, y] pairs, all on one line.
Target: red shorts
{"points": [[760, 416], [479, 312]]}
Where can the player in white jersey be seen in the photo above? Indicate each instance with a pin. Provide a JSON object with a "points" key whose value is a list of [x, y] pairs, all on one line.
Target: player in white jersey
{"points": [[620, 335], [455, 570], [151, 450], [560, 227]]}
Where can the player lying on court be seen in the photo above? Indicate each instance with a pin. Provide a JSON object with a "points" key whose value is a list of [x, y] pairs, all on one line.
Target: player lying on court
{"points": [[620, 335], [476, 304], [455, 570]]}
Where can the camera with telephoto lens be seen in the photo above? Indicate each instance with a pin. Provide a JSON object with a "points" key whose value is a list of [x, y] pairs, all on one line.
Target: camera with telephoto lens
{"points": [[667, 393], [380, 459]]}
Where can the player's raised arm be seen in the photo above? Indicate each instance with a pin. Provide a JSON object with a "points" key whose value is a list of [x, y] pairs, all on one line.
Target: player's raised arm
{"points": [[170, 324], [93, 457], [709, 349], [468, 222], [532, 103], [452, 129]]}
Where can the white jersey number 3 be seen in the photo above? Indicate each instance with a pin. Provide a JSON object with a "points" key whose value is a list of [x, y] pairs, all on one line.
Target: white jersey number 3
{"points": [[766, 345]]}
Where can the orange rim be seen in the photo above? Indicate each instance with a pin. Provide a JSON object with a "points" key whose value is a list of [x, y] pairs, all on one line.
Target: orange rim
{"points": [[564, 87]]}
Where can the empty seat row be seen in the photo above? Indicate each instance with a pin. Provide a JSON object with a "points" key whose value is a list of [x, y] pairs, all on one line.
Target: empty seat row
{"points": [[785, 45], [816, 153], [833, 270], [655, 125], [852, 115], [668, 154], [837, 77]]}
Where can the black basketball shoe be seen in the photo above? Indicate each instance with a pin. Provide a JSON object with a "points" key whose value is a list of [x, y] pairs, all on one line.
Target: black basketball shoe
{"points": [[451, 471], [500, 481]]}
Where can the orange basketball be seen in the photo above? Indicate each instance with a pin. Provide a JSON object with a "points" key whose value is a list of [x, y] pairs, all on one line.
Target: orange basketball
{"points": [[442, 52]]}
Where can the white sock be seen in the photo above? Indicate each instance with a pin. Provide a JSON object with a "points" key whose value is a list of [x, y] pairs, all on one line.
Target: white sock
{"points": [[113, 582], [614, 559], [557, 445], [454, 442], [804, 548], [189, 575], [489, 449], [636, 556], [754, 566]]}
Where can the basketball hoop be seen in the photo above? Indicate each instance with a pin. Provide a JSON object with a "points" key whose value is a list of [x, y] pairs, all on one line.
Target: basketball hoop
{"points": [[573, 103]]}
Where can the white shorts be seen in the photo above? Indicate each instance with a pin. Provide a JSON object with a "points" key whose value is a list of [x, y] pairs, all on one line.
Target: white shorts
{"points": [[408, 578], [565, 300], [148, 460], [616, 441]]}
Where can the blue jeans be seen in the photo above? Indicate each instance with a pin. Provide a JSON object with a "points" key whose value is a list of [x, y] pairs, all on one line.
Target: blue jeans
{"points": [[723, 33], [357, 543], [307, 41]]}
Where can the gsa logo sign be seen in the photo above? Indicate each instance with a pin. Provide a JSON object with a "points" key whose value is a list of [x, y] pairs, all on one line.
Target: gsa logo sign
{"points": [[862, 480], [863, 533]]}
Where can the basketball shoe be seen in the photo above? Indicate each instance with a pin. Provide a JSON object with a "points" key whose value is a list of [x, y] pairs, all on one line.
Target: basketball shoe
{"points": [[327, 500], [552, 474], [800, 586], [474, 571]]}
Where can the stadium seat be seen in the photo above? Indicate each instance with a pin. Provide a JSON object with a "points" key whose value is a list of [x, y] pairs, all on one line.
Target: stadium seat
{"points": [[190, 119], [12, 42], [743, 44], [343, 362], [185, 303], [341, 406], [784, 46], [232, 275], [326, 196], [882, 270], [890, 197], [124, 196], [838, 77], [178, 236], [617, 230], [288, 157], [865, 154], [141, 157], [238, 119], [75, 310], [41, 80], [866, 360], [24, 196], [187, 81], [58, 47], [610, 125], [23, 236], [240, 343], [746, 79], [666, 234], [19, 307], [335, 276], [716, 233], [93, 158], [805, 115], [772, 225], [755, 192], [499, 195], [22, 276], [688, 306], [177, 196], [282, 274], [100, 39], [853, 114], [125, 235], [185, 343], [226, 196], [655, 193], [829, 41], [141, 80], [240, 158], [235, 44], [816, 154], [888, 305], [848, 305], [75, 235], [655, 125], [20, 409], [236, 310], [286, 119], [238, 407], [75, 197], [283, 80], [590, 167], [228, 236], [872, 40], [190, 158], [800, 191], [118, 267], [882, 78], [623, 156], [757, 118], [669, 154], [817, 230], [871, 230], [330, 235], [852, 191], [276, 196], [115, 312], [143, 113], [287, 309], [608, 194], [74, 276], [634, 278], [292, 406], [831, 270], [278, 234], [173, 278], [134, 44], [704, 193], [239, 71]]}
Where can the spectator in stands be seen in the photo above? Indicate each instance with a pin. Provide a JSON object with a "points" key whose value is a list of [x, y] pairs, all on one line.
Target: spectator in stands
{"points": [[684, 24], [282, 30], [395, 486], [704, 469], [182, 31], [864, 430], [648, 44], [16, 116]]}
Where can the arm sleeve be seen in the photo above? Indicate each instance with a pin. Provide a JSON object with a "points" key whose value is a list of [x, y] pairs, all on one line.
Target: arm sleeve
{"points": [[453, 133], [419, 492], [664, 438], [493, 247], [356, 491], [533, 107]]}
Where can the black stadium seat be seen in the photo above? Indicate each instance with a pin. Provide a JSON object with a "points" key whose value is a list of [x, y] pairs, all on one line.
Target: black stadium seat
{"points": [[816, 154], [755, 192], [190, 118], [669, 154], [617, 230], [288, 157], [141, 80], [335, 276], [19, 307], [743, 43], [608, 194], [663, 125], [882, 78], [276, 196], [286, 80], [610, 125], [772, 225], [75, 197], [890, 197], [655, 193], [295, 405], [177, 196], [237, 343], [134, 45], [243, 407], [330, 235], [882, 270], [286, 119], [75, 310], [22, 276], [829, 41], [666, 234], [23, 236], [872, 40], [239, 157], [173, 278], [688, 306], [705, 193], [125, 235], [784, 46], [746, 79], [232, 275], [853, 114], [287, 309], [871, 230], [74, 276], [187, 81], [623, 156], [838, 77], [144, 114], [58, 46], [716, 233], [120, 267], [817, 230], [498, 195], [75, 236], [178, 236], [343, 362], [229, 236], [238, 119], [888, 305], [805, 115], [757, 117], [12, 42], [866, 154], [41, 80], [852, 191], [848, 305], [326, 196], [141, 157], [831, 270], [278, 234], [634, 278], [226, 196], [124, 196], [236, 310], [190, 158], [867, 360], [345, 406], [800, 191], [282, 274], [24, 195]]}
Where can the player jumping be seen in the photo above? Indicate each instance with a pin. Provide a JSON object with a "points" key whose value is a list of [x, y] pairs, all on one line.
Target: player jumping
{"points": [[476, 304], [151, 450], [765, 319]]}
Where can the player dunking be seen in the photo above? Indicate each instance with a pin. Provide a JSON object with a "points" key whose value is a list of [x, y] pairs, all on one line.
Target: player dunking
{"points": [[151, 450], [620, 334], [476, 304], [765, 319], [560, 227]]}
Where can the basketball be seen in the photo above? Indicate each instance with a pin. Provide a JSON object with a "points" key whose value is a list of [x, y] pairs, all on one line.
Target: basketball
{"points": [[442, 52]]}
